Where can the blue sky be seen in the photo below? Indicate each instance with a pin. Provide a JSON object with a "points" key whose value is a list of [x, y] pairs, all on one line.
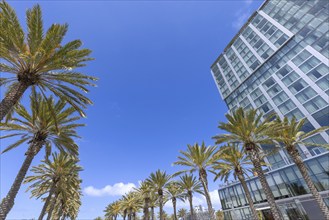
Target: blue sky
{"points": [[155, 94]]}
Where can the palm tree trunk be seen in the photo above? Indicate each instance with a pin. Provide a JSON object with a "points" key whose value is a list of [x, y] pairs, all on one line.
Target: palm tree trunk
{"points": [[152, 210], [174, 205], [9, 201], [51, 208], [12, 98], [60, 212], [130, 215], [254, 156], [204, 182], [43, 211], [161, 205], [247, 193], [303, 170], [191, 205], [124, 215], [146, 209]]}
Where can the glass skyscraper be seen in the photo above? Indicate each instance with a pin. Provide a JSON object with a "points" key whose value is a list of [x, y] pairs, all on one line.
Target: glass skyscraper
{"points": [[279, 62]]}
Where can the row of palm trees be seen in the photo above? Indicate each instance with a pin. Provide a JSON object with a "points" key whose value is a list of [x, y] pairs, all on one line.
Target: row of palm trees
{"points": [[38, 63], [241, 156], [158, 189]]}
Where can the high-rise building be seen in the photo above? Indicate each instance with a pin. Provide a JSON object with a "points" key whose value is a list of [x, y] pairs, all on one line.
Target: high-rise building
{"points": [[279, 62]]}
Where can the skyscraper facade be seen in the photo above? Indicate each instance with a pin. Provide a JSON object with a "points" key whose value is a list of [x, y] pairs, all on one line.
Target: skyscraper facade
{"points": [[279, 62]]}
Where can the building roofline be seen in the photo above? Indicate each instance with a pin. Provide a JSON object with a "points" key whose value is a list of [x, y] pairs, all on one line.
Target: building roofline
{"points": [[241, 29]]}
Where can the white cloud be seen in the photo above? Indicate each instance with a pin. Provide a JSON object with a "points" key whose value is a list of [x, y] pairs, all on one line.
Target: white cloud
{"points": [[248, 2], [117, 189]]}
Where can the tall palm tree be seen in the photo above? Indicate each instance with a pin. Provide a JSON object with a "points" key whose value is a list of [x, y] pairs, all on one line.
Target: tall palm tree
{"points": [[247, 128], [290, 136], [234, 162], [159, 181], [189, 184], [59, 175], [182, 213], [199, 158], [66, 201], [174, 192], [154, 202], [144, 191], [39, 128], [40, 60]]}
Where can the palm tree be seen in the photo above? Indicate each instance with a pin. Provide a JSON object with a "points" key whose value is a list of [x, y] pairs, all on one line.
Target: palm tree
{"points": [[199, 158], [247, 128], [182, 213], [112, 210], [123, 208], [234, 162], [174, 192], [132, 203], [66, 201], [154, 202], [39, 128], [144, 191], [290, 136], [159, 181], [57, 176], [189, 184], [39, 60]]}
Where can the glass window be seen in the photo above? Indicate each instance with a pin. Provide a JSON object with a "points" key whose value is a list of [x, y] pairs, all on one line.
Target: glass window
{"points": [[274, 90], [283, 71], [266, 107], [307, 127], [318, 72], [255, 191], [291, 77], [257, 19], [297, 86], [287, 107], [280, 98], [290, 174], [323, 83], [322, 117], [269, 83], [254, 65], [314, 167], [296, 114], [255, 93], [324, 162], [281, 40], [280, 183], [323, 180], [304, 55], [306, 95], [315, 104], [322, 42], [273, 187], [309, 64], [261, 100]]}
